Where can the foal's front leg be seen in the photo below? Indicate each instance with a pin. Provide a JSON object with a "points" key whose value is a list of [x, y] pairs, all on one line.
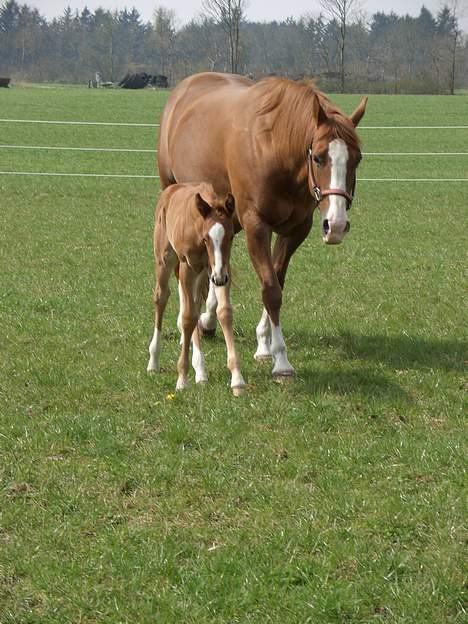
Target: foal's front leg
{"points": [[208, 318], [189, 319], [224, 313]]}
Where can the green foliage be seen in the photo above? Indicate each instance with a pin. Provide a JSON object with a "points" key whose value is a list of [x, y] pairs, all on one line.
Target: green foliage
{"points": [[337, 498], [391, 54]]}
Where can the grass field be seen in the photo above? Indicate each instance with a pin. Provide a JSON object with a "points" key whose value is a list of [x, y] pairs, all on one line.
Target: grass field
{"points": [[338, 498]]}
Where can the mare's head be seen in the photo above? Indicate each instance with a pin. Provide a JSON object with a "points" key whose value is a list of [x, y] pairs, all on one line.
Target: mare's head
{"points": [[218, 232], [333, 159]]}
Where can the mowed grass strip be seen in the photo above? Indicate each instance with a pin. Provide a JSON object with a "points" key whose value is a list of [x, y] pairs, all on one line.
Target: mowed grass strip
{"points": [[338, 498]]}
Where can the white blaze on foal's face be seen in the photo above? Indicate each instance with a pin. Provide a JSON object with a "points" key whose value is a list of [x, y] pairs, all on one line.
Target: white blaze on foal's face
{"points": [[216, 234], [335, 215]]}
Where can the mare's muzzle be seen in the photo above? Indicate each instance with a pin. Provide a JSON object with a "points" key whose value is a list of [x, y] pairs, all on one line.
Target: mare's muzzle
{"points": [[334, 236]]}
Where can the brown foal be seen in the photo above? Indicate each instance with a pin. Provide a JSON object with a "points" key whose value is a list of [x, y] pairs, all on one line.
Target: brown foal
{"points": [[194, 231]]}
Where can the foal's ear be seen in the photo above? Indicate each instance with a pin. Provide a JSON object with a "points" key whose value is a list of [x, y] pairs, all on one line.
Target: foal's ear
{"points": [[230, 205], [203, 208], [359, 112], [318, 114]]}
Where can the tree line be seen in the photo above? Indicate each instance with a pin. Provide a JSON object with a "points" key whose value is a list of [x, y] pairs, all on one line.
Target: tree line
{"points": [[387, 53]]}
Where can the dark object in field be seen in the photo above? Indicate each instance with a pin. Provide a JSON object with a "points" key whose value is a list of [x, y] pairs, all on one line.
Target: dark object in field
{"points": [[159, 81], [5, 82], [141, 80]]}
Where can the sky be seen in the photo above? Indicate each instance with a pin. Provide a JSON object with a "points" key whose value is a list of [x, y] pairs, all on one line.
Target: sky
{"points": [[257, 10]]}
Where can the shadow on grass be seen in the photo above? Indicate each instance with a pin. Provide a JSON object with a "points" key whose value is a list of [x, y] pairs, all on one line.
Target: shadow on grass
{"points": [[399, 352], [364, 382]]}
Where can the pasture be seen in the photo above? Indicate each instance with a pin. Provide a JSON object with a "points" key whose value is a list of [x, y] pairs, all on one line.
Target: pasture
{"points": [[340, 497]]}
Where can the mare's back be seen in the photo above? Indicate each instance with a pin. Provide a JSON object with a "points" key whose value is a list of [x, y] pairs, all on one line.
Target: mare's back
{"points": [[195, 125]]}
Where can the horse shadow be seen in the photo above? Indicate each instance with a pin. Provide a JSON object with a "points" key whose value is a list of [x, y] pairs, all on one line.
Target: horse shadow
{"points": [[375, 353]]}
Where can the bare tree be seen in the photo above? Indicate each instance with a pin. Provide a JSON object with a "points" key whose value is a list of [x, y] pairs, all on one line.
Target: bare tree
{"points": [[229, 14], [164, 25], [454, 38], [341, 11]]}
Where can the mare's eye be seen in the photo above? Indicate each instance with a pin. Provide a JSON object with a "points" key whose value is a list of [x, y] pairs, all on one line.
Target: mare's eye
{"points": [[317, 160]]}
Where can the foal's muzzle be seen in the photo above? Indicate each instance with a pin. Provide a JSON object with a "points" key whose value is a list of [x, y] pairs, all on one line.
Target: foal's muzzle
{"points": [[222, 280]]}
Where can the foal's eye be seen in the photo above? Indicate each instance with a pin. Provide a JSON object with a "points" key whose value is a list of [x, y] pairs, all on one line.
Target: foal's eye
{"points": [[317, 160]]}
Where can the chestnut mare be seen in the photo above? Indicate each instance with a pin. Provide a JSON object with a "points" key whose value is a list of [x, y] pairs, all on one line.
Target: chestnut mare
{"points": [[193, 233], [282, 148]]}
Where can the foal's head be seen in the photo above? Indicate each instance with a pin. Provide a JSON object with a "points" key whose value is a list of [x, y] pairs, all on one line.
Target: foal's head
{"points": [[333, 159], [218, 232]]}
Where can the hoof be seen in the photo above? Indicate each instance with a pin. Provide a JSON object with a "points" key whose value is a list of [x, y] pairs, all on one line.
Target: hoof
{"points": [[202, 382], [284, 377], [238, 390]]}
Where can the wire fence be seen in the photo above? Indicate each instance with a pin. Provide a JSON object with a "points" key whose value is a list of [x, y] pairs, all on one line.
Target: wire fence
{"points": [[83, 149]]}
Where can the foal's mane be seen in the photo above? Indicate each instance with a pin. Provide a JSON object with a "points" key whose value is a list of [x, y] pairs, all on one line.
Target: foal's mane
{"points": [[289, 103]]}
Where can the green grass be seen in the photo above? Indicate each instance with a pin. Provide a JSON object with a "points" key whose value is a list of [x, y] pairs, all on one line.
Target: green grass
{"points": [[338, 498]]}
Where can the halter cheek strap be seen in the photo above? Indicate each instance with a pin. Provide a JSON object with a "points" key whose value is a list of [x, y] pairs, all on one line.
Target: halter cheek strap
{"points": [[315, 189]]}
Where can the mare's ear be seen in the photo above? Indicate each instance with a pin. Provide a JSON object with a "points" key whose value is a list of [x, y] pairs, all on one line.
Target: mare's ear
{"points": [[230, 205], [318, 114], [359, 112], [203, 208]]}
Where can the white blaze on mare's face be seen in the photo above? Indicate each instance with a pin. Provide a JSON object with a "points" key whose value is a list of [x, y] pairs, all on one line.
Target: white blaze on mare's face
{"points": [[216, 233], [336, 214]]}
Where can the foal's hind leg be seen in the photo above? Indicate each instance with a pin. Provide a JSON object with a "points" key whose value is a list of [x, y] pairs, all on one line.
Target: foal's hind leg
{"points": [[208, 318], [161, 295], [263, 331]]}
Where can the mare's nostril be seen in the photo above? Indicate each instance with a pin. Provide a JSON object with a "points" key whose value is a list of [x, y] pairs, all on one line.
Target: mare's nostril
{"points": [[347, 227], [326, 226]]}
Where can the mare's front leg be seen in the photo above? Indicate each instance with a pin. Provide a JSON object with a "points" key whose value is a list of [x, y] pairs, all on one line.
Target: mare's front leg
{"points": [[189, 319], [283, 250], [224, 313], [258, 237]]}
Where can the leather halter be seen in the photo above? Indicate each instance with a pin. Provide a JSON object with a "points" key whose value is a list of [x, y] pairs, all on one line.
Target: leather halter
{"points": [[317, 192]]}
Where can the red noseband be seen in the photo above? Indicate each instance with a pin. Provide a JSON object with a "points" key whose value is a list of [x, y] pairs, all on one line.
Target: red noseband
{"points": [[315, 189]]}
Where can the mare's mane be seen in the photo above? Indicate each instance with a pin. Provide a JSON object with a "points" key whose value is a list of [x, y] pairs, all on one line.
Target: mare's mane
{"points": [[289, 105]]}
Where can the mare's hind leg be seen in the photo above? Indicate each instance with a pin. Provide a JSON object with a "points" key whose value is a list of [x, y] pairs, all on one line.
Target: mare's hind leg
{"points": [[225, 319], [161, 295], [208, 318], [285, 246], [258, 241]]}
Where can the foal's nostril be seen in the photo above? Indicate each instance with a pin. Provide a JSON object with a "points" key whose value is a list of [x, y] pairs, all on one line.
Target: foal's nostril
{"points": [[222, 281], [326, 226], [347, 227]]}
